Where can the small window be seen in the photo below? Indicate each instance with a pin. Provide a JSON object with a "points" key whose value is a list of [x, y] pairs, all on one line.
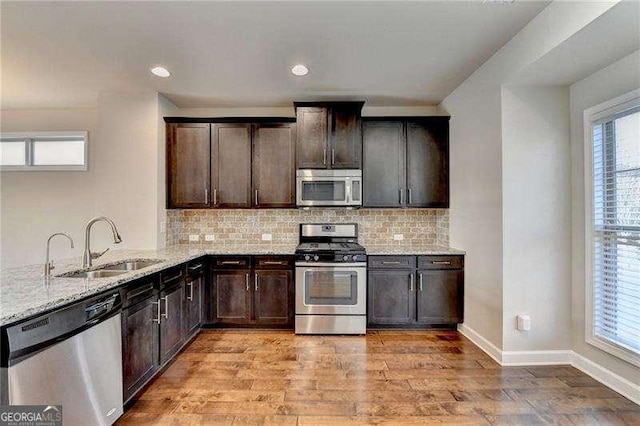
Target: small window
{"points": [[43, 151]]}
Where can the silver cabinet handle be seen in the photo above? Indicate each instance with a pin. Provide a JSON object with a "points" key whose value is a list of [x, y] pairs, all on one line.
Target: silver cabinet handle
{"points": [[441, 262], [255, 281], [206, 196], [400, 191], [230, 262], [324, 156], [153, 319], [411, 282], [246, 280], [215, 197], [333, 157], [190, 296], [273, 262], [409, 199], [257, 197], [390, 263], [420, 282], [166, 307]]}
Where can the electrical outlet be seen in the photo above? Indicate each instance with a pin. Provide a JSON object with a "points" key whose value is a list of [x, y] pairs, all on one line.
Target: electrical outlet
{"points": [[194, 237], [267, 237], [209, 237], [398, 237], [524, 322]]}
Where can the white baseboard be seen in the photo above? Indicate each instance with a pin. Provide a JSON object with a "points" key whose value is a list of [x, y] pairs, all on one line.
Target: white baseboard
{"points": [[607, 377], [492, 350], [516, 358]]}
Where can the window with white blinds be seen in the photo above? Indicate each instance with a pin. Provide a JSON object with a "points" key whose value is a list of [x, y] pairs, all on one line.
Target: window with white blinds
{"points": [[615, 230]]}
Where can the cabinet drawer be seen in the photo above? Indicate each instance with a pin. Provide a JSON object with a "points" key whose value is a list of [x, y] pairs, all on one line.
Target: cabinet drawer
{"points": [[231, 262], [391, 262], [196, 267], [273, 262], [171, 276], [440, 262], [138, 290]]}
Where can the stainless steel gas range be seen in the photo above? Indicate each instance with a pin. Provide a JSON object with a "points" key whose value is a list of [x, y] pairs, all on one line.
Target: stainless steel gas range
{"points": [[331, 280]]}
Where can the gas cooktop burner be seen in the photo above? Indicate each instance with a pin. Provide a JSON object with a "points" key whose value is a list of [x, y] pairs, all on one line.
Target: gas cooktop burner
{"points": [[329, 243]]}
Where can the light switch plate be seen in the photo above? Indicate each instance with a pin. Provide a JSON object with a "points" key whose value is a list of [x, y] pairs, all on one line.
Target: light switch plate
{"points": [[398, 237], [194, 237], [267, 237]]}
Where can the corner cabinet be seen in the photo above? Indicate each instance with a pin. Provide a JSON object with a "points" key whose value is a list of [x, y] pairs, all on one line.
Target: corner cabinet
{"points": [[329, 135], [406, 162], [251, 291], [415, 291], [231, 163]]}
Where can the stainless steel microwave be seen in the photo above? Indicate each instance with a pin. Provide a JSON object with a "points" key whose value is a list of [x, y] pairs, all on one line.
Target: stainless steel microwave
{"points": [[328, 188]]}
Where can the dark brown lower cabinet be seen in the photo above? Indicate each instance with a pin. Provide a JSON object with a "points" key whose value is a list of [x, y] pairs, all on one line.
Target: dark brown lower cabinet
{"points": [[433, 296], [262, 295], [139, 344], [171, 321], [193, 306], [273, 301], [231, 294]]}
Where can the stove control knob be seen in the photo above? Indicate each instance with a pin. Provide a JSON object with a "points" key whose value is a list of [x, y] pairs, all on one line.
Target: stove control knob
{"points": [[307, 257], [345, 258], [316, 257], [355, 258]]}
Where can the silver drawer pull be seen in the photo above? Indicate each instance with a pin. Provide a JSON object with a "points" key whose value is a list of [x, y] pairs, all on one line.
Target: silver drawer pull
{"points": [[441, 262], [269, 262], [230, 262], [153, 319], [391, 263]]}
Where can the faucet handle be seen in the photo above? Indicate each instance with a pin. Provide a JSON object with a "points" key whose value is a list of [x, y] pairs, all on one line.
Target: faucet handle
{"points": [[97, 255]]}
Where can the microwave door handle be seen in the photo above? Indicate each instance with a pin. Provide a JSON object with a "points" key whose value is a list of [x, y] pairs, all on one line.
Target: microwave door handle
{"points": [[348, 185]]}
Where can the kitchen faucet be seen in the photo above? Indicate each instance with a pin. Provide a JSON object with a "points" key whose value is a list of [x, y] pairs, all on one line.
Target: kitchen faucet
{"points": [[87, 256], [48, 264]]}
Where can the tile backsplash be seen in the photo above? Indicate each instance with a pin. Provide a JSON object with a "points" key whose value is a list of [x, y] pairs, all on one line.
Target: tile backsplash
{"points": [[375, 226]]}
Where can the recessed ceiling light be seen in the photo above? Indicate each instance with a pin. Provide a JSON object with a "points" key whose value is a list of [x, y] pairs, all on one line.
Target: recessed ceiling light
{"points": [[160, 71], [300, 70]]}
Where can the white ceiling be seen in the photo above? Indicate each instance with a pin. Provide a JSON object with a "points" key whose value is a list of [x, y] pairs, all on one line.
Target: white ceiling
{"points": [[61, 54]]}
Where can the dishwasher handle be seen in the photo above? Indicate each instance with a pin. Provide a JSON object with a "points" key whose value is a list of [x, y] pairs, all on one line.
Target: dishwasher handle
{"points": [[102, 308]]}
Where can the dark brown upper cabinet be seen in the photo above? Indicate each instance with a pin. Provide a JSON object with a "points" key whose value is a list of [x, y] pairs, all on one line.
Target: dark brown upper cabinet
{"points": [[231, 165], [188, 165], [274, 152], [406, 162], [329, 135]]}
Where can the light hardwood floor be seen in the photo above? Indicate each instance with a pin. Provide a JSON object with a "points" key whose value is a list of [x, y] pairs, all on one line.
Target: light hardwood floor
{"points": [[385, 377]]}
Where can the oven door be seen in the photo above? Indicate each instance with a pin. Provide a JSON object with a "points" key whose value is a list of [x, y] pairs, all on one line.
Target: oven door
{"points": [[329, 289]]}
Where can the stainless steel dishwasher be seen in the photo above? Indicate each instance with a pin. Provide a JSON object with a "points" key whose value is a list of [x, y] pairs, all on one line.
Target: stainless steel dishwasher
{"points": [[70, 357]]}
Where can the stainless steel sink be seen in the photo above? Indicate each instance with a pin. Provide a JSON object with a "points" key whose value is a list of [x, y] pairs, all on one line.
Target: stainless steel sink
{"points": [[132, 265], [99, 273], [113, 270]]}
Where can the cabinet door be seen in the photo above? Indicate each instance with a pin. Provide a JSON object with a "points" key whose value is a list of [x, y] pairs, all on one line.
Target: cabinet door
{"points": [[231, 292], [428, 164], [311, 149], [345, 138], [171, 325], [193, 311], [384, 164], [440, 296], [188, 165], [231, 159], [274, 165], [139, 344], [391, 297], [273, 297]]}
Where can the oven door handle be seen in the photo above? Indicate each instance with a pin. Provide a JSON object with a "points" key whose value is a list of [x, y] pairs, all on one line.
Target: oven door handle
{"points": [[334, 265]]}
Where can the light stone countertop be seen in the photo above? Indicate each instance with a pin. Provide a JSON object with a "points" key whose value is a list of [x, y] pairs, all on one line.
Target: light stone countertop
{"points": [[24, 292]]}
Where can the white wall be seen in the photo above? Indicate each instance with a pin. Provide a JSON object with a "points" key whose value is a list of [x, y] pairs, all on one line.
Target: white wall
{"points": [[165, 109], [617, 79], [536, 216], [121, 183], [35, 205]]}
